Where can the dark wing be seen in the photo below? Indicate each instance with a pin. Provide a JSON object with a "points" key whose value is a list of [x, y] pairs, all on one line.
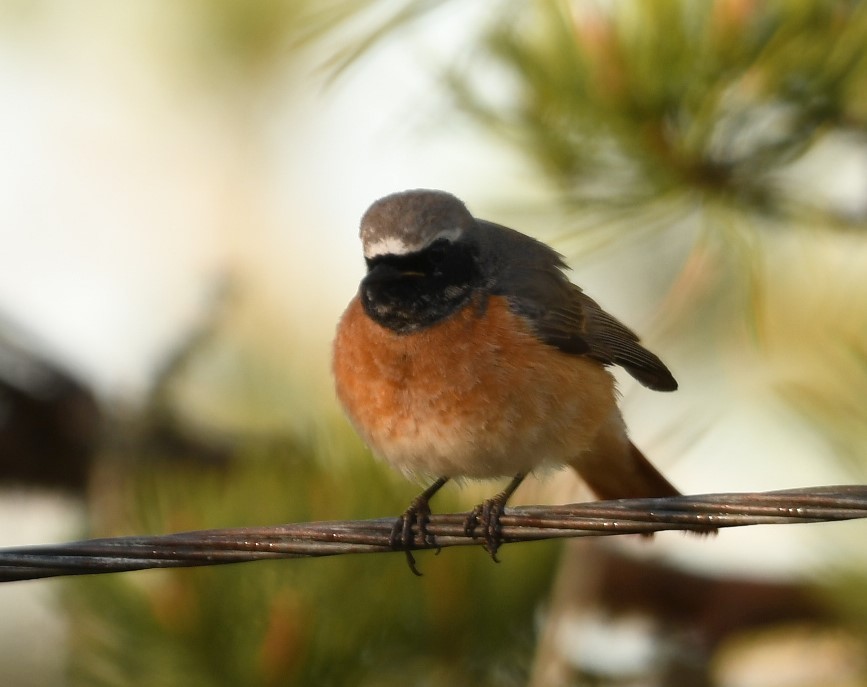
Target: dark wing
{"points": [[611, 342], [530, 275]]}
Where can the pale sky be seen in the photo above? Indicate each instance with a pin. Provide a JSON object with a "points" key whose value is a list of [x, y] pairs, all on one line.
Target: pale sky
{"points": [[120, 200]]}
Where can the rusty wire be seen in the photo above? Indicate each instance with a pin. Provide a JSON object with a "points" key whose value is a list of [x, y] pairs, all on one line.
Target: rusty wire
{"points": [[522, 523]]}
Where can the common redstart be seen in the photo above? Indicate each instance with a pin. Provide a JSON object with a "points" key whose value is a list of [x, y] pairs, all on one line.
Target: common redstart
{"points": [[468, 353]]}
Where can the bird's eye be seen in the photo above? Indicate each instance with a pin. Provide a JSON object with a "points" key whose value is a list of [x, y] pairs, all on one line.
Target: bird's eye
{"points": [[436, 252]]}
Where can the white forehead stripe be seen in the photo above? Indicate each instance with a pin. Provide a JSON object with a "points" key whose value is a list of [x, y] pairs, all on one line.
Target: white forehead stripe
{"points": [[389, 244], [396, 245]]}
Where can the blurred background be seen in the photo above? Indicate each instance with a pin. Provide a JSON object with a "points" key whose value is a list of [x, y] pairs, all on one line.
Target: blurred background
{"points": [[180, 190]]}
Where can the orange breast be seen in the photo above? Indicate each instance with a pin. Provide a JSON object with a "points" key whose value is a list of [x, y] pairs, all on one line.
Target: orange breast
{"points": [[477, 395]]}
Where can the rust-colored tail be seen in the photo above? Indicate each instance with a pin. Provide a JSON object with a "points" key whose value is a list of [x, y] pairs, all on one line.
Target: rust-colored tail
{"points": [[622, 472], [616, 469]]}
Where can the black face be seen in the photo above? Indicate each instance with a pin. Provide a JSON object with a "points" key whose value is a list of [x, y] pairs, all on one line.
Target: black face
{"points": [[408, 292]]}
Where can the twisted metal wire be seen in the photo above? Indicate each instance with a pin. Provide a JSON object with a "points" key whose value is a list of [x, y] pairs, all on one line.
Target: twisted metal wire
{"points": [[522, 523]]}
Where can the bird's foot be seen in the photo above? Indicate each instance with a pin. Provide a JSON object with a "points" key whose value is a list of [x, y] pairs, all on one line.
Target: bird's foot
{"points": [[401, 538], [418, 516], [487, 515]]}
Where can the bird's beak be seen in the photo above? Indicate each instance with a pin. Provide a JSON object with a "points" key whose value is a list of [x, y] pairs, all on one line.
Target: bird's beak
{"points": [[384, 272]]}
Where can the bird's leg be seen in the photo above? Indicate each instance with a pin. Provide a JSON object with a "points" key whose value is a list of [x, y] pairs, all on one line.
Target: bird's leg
{"points": [[417, 514], [488, 514]]}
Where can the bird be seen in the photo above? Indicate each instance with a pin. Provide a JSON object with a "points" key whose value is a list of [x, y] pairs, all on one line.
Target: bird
{"points": [[467, 353]]}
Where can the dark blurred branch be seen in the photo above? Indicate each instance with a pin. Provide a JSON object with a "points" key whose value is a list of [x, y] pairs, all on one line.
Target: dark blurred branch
{"points": [[50, 421], [524, 523]]}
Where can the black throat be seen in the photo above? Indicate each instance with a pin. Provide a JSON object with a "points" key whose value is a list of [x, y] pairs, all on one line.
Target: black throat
{"points": [[406, 293]]}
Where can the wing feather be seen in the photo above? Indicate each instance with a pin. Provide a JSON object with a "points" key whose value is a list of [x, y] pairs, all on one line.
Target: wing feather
{"points": [[531, 276]]}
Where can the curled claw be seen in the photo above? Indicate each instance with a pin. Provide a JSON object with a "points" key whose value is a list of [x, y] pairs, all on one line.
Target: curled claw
{"points": [[418, 515], [401, 537], [487, 514]]}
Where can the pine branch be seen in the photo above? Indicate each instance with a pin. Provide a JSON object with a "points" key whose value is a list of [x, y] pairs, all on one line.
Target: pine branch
{"points": [[523, 523]]}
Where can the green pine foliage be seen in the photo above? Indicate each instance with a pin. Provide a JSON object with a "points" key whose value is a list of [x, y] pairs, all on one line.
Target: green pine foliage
{"points": [[643, 101]]}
